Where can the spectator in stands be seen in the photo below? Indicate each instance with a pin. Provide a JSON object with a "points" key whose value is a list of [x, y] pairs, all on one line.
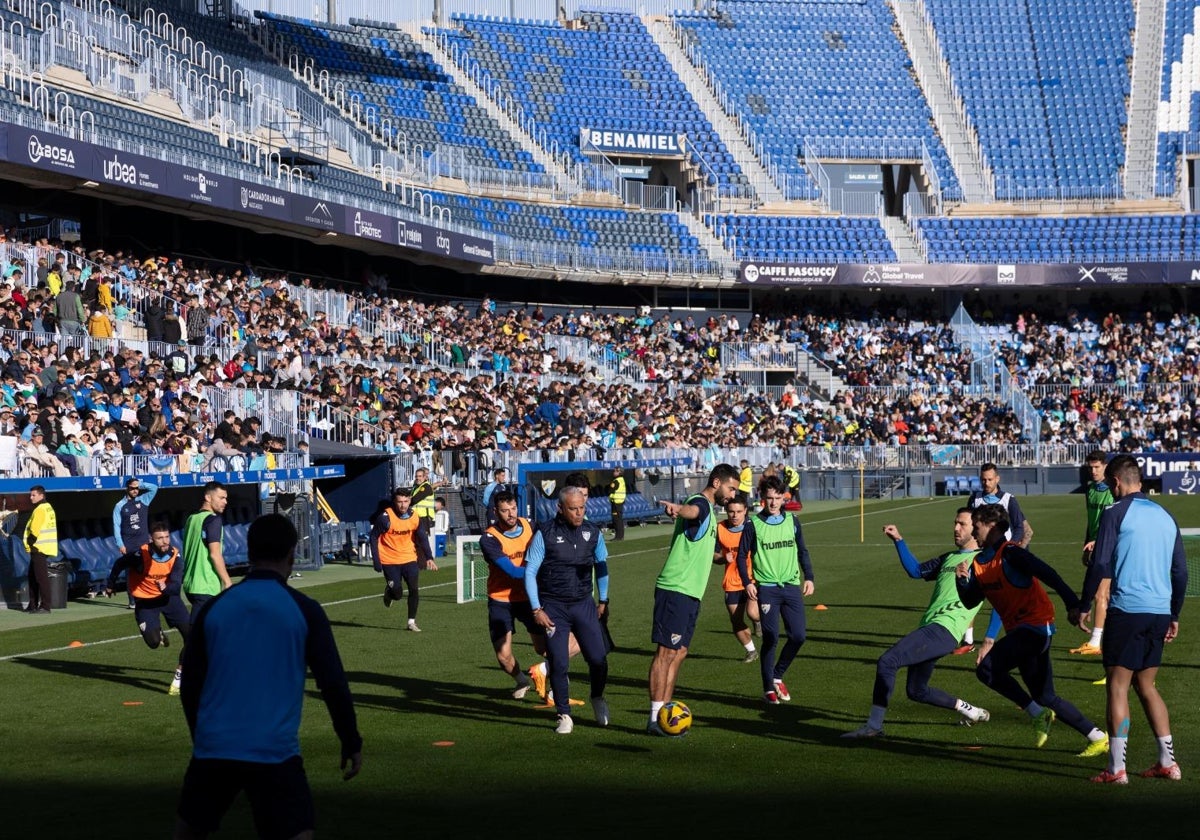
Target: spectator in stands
{"points": [[37, 460], [172, 329], [220, 450], [100, 323], [68, 310], [109, 459]]}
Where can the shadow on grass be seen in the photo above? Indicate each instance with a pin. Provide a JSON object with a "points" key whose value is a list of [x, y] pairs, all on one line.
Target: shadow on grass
{"points": [[444, 699], [108, 673]]}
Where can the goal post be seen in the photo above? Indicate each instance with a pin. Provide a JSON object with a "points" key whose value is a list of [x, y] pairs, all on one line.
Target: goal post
{"points": [[541, 480], [471, 570], [1191, 547]]}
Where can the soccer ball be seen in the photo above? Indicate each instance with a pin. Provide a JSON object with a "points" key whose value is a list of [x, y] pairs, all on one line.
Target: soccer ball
{"points": [[675, 718]]}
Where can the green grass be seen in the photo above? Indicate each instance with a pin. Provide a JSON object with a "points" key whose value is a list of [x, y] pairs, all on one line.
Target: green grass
{"points": [[75, 761]]}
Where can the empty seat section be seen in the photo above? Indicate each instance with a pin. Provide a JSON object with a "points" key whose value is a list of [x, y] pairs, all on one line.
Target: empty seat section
{"points": [[832, 74]]}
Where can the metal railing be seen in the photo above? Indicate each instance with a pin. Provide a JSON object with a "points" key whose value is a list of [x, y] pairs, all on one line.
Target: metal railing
{"points": [[988, 370]]}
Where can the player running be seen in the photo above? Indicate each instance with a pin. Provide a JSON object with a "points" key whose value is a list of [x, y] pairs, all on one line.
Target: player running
{"points": [[155, 582], [399, 547], [739, 604], [1010, 578], [777, 543], [938, 634], [504, 545]]}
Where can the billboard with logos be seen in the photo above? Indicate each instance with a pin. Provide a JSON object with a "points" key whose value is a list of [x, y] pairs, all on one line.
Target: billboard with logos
{"points": [[53, 153]]}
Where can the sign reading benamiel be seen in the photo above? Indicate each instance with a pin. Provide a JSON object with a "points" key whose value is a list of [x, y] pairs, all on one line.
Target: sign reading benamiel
{"points": [[661, 144]]}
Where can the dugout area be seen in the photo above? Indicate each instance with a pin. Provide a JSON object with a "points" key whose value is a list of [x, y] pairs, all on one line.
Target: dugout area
{"points": [[648, 480], [85, 537]]}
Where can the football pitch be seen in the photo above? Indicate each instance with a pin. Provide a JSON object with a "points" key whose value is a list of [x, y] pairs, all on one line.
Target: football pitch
{"points": [[92, 746]]}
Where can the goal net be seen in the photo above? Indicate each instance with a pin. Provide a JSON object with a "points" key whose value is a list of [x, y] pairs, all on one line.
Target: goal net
{"points": [[472, 571], [1191, 546]]}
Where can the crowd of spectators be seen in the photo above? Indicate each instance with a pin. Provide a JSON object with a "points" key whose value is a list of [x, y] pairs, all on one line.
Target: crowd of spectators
{"points": [[1114, 383], [411, 375]]}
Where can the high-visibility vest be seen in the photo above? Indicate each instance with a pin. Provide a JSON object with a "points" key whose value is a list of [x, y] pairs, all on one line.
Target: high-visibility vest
{"points": [[43, 527], [426, 507], [617, 496]]}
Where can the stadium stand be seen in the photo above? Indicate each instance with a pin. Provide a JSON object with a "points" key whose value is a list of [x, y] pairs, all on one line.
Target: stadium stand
{"points": [[388, 70], [803, 239], [832, 75], [605, 74], [1045, 85], [1180, 99], [1061, 239]]}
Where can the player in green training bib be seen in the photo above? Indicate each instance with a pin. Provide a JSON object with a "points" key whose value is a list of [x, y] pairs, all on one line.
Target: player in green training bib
{"points": [[681, 582], [941, 627], [204, 573], [776, 541], [1098, 499]]}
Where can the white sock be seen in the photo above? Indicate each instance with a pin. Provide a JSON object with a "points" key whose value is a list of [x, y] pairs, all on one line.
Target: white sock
{"points": [[1033, 709], [1097, 634], [875, 719], [1097, 734], [966, 709], [749, 646], [969, 636], [655, 705], [1116, 753], [541, 666], [1166, 751]]}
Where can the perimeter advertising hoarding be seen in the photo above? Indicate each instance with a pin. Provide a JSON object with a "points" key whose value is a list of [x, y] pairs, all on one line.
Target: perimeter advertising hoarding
{"points": [[946, 274], [447, 243], [53, 153]]}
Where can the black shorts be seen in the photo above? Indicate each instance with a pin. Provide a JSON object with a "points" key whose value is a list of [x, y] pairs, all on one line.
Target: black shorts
{"points": [[279, 796], [674, 618], [735, 598], [503, 616], [1133, 640]]}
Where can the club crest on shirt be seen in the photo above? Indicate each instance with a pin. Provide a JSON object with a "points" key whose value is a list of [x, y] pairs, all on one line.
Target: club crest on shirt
{"points": [[586, 536]]}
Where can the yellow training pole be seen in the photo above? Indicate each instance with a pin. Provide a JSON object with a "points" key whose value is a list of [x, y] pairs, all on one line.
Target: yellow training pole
{"points": [[862, 512]]}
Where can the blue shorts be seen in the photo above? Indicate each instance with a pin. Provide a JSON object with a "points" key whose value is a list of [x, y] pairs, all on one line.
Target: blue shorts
{"points": [[504, 615], [1133, 640], [736, 598], [674, 618], [151, 612]]}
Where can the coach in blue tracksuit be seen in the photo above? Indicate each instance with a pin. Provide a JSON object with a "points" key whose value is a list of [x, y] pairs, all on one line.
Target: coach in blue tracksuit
{"points": [[131, 515], [559, 565], [243, 687]]}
